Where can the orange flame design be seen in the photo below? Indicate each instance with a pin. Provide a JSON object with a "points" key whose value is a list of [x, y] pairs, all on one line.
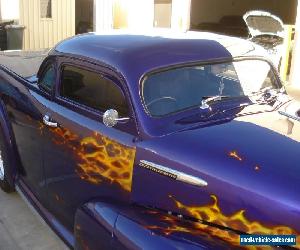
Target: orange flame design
{"points": [[235, 155], [98, 157], [101, 156], [212, 213]]}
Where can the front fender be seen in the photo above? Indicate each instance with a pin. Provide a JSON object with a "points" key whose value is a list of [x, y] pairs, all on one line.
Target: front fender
{"points": [[100, 225]]}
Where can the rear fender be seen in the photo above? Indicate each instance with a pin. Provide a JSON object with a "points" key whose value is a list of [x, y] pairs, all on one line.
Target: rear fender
{"points": [[10, 144], [94, 226]]}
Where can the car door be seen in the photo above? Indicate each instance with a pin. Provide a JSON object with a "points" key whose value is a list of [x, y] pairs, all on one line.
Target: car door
{"points": [[25, 113], [84, 159]]}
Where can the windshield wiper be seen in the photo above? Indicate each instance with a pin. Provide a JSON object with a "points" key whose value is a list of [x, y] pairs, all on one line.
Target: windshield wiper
{"points": [[212, 99], [266, 95], [269, 96]]}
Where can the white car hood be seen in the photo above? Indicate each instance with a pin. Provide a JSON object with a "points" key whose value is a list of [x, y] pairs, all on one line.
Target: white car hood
{"points": [[263, 23]]}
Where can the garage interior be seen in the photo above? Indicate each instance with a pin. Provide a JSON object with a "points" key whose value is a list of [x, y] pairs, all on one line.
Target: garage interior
{"points": [[84, 16], [226, 16]]}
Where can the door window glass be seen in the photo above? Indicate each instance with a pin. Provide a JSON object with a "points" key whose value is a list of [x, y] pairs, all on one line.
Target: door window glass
{"points": [[92, 90]]}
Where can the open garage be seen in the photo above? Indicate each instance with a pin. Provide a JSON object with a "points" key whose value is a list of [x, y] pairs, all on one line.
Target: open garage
{"points": [[213, 11]]}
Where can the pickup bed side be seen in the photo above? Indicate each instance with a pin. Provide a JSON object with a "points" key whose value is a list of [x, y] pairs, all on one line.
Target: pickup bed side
{"points": [[6, 92]]}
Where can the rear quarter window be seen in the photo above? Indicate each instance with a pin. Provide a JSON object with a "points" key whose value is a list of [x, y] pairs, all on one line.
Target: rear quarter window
{"points": [[47, 79]]}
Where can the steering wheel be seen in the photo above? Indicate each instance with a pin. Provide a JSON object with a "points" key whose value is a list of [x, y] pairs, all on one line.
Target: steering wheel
{"points": [[163, 98]]}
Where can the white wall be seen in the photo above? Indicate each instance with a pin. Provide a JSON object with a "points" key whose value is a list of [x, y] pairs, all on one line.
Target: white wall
{"points": [[103, 15], [181, 14], [140, 14], [213, 10], [9, 9], [295, 72]]}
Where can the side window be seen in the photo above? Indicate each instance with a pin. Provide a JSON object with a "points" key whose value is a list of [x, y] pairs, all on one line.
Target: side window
{"points": [[92, 90], [46, 8], [47, 79]]}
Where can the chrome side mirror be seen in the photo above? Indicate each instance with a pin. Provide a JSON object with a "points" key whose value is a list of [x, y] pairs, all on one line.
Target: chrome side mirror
{"points": [[111, 118]]}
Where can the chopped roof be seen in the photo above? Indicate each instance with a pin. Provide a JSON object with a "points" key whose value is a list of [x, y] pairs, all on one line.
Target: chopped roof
{"points": [[135, 53]]}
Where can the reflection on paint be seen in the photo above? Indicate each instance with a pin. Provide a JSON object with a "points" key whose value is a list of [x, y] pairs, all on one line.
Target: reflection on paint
{"points": [[212, 213], [81, 243], [257, 168], [97, 157]]}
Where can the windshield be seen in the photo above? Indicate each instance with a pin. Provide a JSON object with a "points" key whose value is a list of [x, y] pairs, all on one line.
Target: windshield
{"points": [[182, 88]]}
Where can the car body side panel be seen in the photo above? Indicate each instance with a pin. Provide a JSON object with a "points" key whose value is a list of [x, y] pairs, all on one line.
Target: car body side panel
{"points": [[94, 229], [24, 115], [246, 168], [90, 161]]}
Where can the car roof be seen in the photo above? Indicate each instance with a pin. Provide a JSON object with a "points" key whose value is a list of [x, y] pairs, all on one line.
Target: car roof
{"points": [[132, 53]]}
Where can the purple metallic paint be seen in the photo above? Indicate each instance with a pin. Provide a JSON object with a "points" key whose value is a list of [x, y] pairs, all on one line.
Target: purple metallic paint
{"points": [[259, 179]]}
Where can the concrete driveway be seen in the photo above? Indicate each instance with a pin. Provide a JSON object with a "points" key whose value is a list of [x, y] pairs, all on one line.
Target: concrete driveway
{"points": [[21, 229]]}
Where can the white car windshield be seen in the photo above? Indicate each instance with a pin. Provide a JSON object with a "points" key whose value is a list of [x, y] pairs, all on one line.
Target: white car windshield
{"points": [[173, 90]]}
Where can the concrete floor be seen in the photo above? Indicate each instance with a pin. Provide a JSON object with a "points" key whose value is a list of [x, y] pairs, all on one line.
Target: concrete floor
{"points": [[21, 229]]}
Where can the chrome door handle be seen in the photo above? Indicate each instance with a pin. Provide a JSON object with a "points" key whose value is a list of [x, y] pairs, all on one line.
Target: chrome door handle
{"points": [[47, 121]]}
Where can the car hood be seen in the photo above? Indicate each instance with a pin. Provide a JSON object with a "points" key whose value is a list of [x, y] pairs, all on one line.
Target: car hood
{"points": [[263, 23], [251, 167]]}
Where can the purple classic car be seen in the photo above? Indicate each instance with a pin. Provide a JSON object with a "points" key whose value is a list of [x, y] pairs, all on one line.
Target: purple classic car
{"points": [[128, 141]]}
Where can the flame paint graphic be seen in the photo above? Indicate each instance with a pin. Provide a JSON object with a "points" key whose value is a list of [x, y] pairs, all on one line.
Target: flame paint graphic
{"points": [[107, 159], [98, 157], [173, 225], [212, 213], [235, 155]]}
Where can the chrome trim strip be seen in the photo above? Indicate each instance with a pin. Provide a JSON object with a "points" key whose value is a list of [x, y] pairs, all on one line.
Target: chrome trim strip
{"points": [[174, 174], [294, 117]]}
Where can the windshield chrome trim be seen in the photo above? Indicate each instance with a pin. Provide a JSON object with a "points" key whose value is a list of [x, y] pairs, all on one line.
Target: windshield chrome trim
{"points": [[294, 117]]}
